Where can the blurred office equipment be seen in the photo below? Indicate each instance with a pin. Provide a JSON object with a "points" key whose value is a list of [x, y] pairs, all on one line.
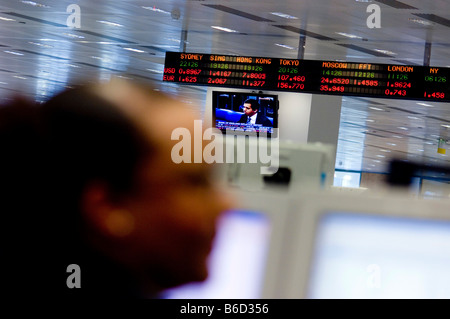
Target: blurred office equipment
{"points": [[245, 259], [327, 244], [370, 245], [401, 173], [431, 181], [298, 166]]}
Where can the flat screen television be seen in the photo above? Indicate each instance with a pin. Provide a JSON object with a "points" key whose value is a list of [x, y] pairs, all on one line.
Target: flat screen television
{"points": [[245, 113]]}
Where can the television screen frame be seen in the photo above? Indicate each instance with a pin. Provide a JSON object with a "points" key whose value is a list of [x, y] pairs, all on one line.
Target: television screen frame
{"points": [[231, 114]]}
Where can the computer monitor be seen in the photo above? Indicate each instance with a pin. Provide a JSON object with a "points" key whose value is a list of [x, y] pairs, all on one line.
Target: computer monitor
{"points": [[246, 254], [229, 116], [368, 245]]}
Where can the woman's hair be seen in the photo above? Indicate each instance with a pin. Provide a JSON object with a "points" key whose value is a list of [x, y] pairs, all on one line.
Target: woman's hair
{"points": [[49, 153]]}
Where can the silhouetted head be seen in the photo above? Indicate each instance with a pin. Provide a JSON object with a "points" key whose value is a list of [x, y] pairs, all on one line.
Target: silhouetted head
{"points": [[88, 177]]}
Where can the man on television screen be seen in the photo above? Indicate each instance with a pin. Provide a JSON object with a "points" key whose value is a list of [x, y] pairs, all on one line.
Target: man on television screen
{"points": [[251, 115]]}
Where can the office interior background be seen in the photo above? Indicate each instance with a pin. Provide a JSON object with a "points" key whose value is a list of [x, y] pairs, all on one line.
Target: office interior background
{"points": [[45, 47], [41, 55]]}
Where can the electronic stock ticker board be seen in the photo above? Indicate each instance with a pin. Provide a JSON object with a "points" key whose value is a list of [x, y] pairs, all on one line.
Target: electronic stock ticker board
{"points": [[309, 76]]}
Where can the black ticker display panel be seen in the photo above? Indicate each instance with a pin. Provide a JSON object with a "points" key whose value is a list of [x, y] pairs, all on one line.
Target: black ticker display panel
{"points": [[309, 76]]}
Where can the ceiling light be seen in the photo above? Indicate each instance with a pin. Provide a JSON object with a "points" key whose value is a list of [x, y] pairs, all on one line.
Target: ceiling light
{"points": [[381, 156], [370, 121], [386, 151], [95, 42], [446, 126], [284, 15], [35, 4], [348, 35], [19, 77], [403, 128], [41, 45], [155, 71], [392, 144], [397, 136], [223, 29], [420, 150], [285, 46], [50, 40], [168, 46], [425, 104], [429, 143], [6, 19], [375, 108], [413, 118], [386, 52], [155, 9], [112, 24], [134, 50], [177, 40], [420, 21], [123, 77], [13, 52], [3, 83], [101, 59], [75, 36]]}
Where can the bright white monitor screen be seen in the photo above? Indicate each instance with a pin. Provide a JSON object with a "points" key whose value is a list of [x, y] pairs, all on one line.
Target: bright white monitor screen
{"points": [[237, 261], [366, 256]]}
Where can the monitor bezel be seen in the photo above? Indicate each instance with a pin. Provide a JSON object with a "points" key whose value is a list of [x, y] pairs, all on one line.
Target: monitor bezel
{"points": [[311, 206], [275, 206], [215, 94]]}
